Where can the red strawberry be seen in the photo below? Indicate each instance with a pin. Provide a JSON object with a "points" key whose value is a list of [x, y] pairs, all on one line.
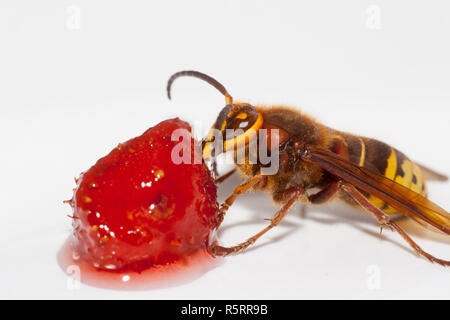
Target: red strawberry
{"points": [[136, 208]]}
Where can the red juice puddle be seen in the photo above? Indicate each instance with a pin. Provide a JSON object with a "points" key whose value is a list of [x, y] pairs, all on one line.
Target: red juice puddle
{"points": [[174, 274]]}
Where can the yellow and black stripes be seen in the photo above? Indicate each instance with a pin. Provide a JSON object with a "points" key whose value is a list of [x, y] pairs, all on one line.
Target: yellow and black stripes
{"points": [[383, 159], [409, 174]]}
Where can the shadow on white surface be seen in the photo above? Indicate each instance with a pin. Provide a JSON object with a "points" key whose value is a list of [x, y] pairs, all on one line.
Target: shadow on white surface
{"points": [[335, 213]]}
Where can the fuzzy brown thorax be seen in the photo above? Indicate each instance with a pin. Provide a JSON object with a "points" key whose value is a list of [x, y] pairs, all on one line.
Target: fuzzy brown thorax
{"points": [[292, 127]]}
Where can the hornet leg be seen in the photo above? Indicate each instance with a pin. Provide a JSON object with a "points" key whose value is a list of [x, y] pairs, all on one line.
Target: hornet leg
{"points": [[384, 221], [241, 189], [295, 194]]}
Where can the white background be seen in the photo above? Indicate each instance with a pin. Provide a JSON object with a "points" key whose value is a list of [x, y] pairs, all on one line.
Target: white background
{"points": [[78, 77]]}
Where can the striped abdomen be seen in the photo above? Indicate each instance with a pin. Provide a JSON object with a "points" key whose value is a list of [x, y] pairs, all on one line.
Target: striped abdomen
{"points": [[386, 160]]}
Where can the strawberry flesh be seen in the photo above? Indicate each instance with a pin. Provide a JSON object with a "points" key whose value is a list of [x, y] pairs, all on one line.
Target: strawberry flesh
{"points": [[135, 208]]}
